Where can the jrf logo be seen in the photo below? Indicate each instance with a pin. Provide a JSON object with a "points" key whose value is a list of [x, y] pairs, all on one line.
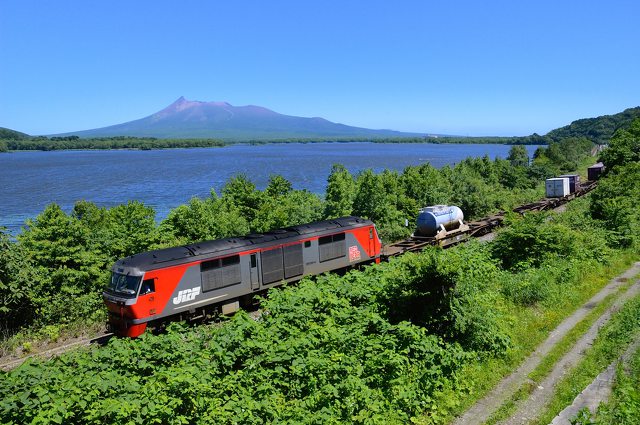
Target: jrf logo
{"points": [[186, 295]]}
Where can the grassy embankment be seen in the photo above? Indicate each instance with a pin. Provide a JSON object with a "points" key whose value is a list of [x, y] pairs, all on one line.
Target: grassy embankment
{"points": [[530, 325], [611, 343], [599, 279]]}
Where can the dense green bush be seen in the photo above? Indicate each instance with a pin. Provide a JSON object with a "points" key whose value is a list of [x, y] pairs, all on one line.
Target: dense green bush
{"points": [[18, 283], [543, 254], [528, 240], [591, 236], [338, 359], [374, 346], [449, 293], [55, 271]]}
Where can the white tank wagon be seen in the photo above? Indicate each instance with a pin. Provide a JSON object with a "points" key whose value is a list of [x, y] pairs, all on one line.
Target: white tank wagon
{"points": [[435, 221]]}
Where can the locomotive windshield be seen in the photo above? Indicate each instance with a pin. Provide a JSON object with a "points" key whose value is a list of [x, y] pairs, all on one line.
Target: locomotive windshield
{"points": [[124, 284]]}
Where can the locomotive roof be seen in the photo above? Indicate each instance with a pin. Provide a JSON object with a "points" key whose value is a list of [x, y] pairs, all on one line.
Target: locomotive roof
{"points": [[206, 249]]}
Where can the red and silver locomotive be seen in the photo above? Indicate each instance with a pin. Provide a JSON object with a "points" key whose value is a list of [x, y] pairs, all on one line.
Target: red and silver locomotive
{"points": [[192, 280]]}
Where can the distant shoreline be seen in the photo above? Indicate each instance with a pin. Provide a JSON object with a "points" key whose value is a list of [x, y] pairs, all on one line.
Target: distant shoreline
{"points": [[133, 143]]}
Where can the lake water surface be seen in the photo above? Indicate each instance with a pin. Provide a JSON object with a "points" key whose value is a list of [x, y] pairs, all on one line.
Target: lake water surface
{"points": [[165, 179]]}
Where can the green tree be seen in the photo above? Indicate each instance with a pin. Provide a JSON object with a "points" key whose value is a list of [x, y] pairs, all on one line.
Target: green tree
{"points": [[133, 229], [566, 154], [518, 156], [425, 186], [340, 192], [624, 147], [371, 198], [513, 176], [472, 194], [377, 198], [211, 218], [18, 283], [277, 186], [296, 207], [615, 201], [482, 167], [541, 168], [241, 191], [96, 224], [57, 244]]}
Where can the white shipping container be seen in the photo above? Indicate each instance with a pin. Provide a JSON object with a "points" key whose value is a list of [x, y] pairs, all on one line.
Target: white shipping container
{"points": [[557, 187]]}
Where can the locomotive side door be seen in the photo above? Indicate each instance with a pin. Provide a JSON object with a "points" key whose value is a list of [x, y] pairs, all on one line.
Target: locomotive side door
{"points": [[255, 282], [147, 297]]}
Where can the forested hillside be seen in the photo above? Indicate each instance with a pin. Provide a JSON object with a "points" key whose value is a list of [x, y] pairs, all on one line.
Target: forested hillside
{"points": [[8, 134], [598, 130]]}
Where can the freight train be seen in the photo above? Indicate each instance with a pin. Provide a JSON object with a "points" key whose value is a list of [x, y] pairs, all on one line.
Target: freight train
{"points": [[197, 280]]}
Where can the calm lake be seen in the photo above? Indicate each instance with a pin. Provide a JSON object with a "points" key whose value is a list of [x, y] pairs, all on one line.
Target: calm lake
{"points": [[165, 179]]}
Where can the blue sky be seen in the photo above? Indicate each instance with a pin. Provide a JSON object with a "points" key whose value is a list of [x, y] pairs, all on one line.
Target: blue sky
{"points": [[458, 67]]}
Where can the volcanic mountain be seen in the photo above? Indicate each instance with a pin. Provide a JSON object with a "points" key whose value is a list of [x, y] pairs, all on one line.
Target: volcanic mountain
{"points": [[194, 119]]}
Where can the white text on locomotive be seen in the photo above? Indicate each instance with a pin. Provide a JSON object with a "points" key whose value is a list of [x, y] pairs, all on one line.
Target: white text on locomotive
{"points": [[186, 295]]}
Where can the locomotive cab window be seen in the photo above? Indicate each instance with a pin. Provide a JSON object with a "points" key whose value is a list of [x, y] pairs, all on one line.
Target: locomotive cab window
{"points": [[332, 247], [124, 285], [148, 286], [220, 273]]}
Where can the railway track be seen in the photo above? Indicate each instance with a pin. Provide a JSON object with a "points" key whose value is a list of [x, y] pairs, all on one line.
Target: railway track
{"points": [[47, 354], [480, 227]]}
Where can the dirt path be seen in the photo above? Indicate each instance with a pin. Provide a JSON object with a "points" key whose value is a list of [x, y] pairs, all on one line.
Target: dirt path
{"points": [[530, 408], [484, 408]]}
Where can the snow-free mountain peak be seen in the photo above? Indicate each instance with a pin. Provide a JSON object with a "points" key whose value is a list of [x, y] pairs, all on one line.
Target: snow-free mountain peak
{"points": [[197, 119]]}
